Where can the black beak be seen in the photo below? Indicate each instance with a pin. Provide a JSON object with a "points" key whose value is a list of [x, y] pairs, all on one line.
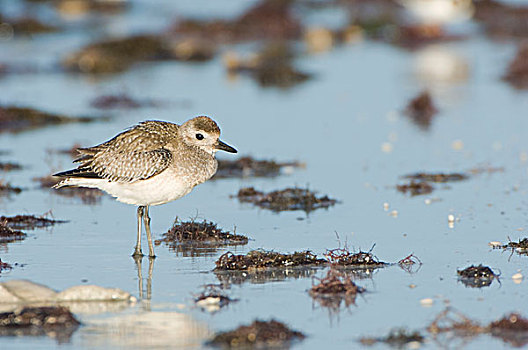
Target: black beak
{"points": [[225, 147]]}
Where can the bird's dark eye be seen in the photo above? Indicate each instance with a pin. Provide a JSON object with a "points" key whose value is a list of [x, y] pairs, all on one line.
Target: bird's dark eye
{"points": [[199, 136]]}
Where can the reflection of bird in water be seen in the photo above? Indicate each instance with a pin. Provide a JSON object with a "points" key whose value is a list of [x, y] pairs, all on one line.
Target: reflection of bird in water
{"points": [[151, 163], [432, 15], [139, 268]]}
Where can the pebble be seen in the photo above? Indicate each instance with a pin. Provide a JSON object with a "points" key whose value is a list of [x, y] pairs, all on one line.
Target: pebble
{"points": [[457, 145], [387, 147], [517, 278], [427, 302]]}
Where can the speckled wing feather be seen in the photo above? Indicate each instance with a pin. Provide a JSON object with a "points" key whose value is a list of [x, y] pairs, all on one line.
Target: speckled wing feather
{"points": [[135, 154]]}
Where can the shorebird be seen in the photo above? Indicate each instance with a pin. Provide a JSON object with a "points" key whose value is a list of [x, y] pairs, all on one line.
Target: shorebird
{"points": [[151, 163]]}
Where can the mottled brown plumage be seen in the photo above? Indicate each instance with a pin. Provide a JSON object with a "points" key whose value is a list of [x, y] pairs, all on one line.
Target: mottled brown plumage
{"points": [[152, 163]]}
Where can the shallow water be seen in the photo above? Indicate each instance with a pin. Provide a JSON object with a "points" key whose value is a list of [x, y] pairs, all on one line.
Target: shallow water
{"points": [[348, 127]]}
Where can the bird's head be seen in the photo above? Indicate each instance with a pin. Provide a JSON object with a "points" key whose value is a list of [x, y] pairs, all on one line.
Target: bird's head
{"points": [[204, 133]]}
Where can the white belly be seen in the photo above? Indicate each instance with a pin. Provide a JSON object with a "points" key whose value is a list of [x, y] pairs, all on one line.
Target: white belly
{"points": [[159, 189]]}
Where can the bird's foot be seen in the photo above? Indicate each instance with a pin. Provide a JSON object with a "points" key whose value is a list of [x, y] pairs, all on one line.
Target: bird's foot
{"points": [[137, 254]]}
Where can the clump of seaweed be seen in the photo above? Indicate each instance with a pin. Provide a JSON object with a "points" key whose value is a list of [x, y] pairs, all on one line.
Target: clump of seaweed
{"points": [[117, 55], [438, 177], [334, 288], [121, 101], [517, 73], [450, 324], [87, 195], [251, 167], [512, 329], [409, 262], [192, 234], [55, 321], [16, 119], [6, 189], [213, 298], [4, 265], [265, 20], [270, 67], [399, 338], [8, 166], [501, 19], [259, 259], [477, 276], [419, 183], [421, 110], [450, 321], [415, 188], [285, 200], [343, 257], [520, 247], [28, 221], [85, 6], [259, 334], [9, 235], [30, 26]]}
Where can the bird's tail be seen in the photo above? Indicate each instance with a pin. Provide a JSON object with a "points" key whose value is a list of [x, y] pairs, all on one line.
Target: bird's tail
{"points": [[63, 183]]}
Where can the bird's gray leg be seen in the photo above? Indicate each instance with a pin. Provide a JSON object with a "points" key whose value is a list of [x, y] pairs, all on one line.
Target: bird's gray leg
{"points": [[146, 221], [140, 215]]}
